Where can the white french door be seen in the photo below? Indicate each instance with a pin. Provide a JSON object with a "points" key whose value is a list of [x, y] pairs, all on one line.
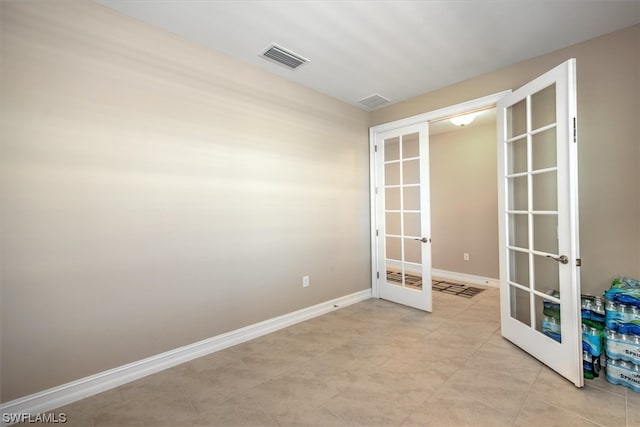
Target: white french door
{"points": [[539, 251], [403, 216], [538, 215]]}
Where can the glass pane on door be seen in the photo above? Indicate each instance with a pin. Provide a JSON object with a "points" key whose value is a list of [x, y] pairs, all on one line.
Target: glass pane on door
{"points": [[543, 150], [547, 275], [548, 317], [403, 257], [543, 107], [520, 305], [532, 203]]}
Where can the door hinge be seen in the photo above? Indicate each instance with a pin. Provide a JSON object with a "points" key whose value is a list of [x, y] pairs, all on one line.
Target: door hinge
{"points": [[376, 190], [378, 275], [575, 131], [375, 148], [578, 262], [376, 233]]}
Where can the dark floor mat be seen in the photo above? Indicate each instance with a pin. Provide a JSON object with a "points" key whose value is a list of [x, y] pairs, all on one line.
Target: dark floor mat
{"points": [[409, 279], [457, 289]]}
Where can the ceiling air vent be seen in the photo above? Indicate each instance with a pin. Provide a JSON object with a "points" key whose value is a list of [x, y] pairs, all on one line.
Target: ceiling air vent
{"points": [[283, 56], [374, 101]]}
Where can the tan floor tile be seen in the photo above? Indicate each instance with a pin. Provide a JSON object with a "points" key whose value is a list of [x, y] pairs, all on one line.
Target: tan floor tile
{"points": [[633, 418], [505, 359], [308, 343], [238, 414], [375, 363], [415, 386], [289, 390], [437, 352], [488, 313], [499, 341], [306, 415], [274, 363], [427, 322], [347, 357], [500, 391], [465, 333], [440, 358], [202, 394], [457, 411], [633, 399], [231, 378], [537, 413], [397, 334], [145, 410], [361, 406], [81, 413], [342, 380], [446, 310], [596, 405], [602, 384]]}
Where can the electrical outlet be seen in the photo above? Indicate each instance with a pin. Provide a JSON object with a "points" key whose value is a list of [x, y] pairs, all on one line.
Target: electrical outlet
{"points": [[305, 281], [465, 256]]}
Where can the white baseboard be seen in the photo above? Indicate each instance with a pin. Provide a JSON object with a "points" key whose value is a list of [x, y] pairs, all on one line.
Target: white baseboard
{"points": [[467, 278], [65, 394], [444, 274]]}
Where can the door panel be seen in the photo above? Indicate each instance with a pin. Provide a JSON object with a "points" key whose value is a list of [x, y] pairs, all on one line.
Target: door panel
{"points": [[403, 216], [537, 162]]}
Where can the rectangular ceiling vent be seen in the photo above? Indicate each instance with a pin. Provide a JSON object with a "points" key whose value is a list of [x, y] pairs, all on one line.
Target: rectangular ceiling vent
{"points": [[284, 56], [374, 101]]}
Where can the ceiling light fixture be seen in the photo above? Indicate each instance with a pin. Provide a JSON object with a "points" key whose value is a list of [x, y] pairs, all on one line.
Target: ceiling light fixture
{"points": [[463, 120]]}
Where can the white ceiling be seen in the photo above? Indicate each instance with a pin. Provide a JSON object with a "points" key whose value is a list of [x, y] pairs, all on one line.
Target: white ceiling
{"points": [[398, 49]]}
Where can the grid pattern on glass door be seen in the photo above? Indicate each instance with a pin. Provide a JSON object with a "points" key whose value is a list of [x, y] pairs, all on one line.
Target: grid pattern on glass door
{"points": [[402, 216], [532, 212]]}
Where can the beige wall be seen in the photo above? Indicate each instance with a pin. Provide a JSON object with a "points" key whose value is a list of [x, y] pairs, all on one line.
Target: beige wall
{"points": [[464, 200], [155, 193], [608, 74]]}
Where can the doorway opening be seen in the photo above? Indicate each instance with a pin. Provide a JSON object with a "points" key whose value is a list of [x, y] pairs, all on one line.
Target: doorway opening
{"points": [[393, 231], [464, 203]]}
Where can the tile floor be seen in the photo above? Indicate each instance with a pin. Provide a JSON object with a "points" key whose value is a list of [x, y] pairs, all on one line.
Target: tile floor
{"points": [[370, 364]]}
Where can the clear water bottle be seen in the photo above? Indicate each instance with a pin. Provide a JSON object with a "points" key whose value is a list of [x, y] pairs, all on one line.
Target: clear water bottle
{"points": [[622, 346], [623, 373]]}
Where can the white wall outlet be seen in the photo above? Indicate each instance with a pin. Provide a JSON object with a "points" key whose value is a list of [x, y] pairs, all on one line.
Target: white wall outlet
{"points": [[465, 256], [305, 281]]}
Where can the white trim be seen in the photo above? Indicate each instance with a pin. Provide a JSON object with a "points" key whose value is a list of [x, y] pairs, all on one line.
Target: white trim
{"points": [[373, 199], [467, 278], [85, 387], [462, 107]]}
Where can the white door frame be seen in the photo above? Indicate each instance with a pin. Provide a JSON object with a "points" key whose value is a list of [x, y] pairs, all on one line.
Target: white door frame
{"points": [[475, 104]]}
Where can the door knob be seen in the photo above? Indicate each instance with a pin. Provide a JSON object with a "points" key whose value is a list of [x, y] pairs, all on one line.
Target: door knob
{"points": [[562, 259], [423, 240]]}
